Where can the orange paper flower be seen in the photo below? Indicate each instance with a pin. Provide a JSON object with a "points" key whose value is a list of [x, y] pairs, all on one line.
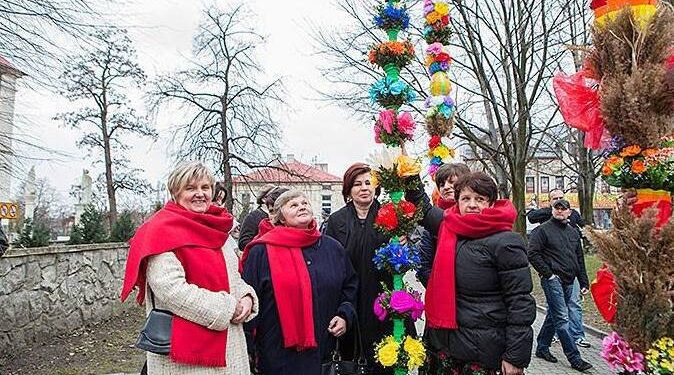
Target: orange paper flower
{"points": [[630, 151], [606, 170], [638, 167], [615, 161], [649, 152], [406, 166]]}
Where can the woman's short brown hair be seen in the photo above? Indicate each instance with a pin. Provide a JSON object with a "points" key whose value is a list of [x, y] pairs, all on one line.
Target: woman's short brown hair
{"points": [[350, 176], [447, 171], [478, 182]]}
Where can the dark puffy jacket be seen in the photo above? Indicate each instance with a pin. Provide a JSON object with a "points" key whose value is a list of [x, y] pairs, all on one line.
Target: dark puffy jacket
{"points": [[495, 309], [555, 248]]}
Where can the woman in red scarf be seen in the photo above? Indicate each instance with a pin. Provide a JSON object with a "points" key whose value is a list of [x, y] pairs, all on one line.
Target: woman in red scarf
{"points": [[177, 261], [307, 290], [479, 309]]}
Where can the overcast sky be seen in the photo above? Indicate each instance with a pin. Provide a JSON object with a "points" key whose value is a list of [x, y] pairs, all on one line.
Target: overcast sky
{"points": [[162, 32]]}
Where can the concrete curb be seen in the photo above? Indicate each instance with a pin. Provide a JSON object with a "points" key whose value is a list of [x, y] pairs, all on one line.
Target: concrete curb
{"points": [[588, 328]]}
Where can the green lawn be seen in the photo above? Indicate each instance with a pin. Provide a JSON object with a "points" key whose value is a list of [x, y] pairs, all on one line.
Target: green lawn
{"points": [[590, 314]]}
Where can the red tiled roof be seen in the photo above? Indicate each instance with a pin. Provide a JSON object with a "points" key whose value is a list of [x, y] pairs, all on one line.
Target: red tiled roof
{"points": [[291, 172], [6, 65]]}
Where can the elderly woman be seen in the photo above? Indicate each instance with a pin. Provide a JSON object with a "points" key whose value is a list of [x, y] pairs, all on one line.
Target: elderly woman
{"points": [[479, 309], [306, 287], [353, 227], [177, 261]]}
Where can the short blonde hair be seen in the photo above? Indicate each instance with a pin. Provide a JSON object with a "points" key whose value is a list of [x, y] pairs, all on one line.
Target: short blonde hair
{"points": [[276, 216], [185, 173]]}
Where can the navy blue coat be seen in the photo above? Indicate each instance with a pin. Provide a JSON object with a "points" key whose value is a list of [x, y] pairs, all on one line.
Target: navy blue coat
{"points": [[333, 284]]}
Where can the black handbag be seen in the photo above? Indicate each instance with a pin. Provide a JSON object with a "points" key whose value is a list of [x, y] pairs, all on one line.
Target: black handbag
{"points": [[337, 366], [155, 337]]}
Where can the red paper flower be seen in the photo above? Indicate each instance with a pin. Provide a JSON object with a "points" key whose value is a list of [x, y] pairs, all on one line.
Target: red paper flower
{"points": [[408, 208], [386, 217], [434, 142], [443, 57], [444, 20]]}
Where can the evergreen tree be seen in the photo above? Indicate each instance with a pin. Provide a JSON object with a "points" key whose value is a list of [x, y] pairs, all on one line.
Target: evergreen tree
{"points": [[34, 234], [123, 229], [91, 228]]}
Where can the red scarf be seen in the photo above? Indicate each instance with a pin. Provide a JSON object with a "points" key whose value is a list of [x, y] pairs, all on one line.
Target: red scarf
{"points": [[441, 290], [262, 229], [291, 282], [445, 203], [197, 240]]}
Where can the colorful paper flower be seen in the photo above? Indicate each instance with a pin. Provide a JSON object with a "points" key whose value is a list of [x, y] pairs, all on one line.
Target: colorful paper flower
{"points": [[379, 310], [387, 217], [434, 141], [407, 167], [396, 258], [619, 356], [392, 16], [415, 352], [408, 209], [387, 351]]}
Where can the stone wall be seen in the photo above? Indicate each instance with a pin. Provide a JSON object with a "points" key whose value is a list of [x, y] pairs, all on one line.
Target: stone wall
{"points": [[47, 291]]}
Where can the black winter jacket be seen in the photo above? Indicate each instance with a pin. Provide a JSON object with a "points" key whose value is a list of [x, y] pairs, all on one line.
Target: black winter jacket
{"points": [[495, 309], [250, 226], [555, 248], [544, 214]]}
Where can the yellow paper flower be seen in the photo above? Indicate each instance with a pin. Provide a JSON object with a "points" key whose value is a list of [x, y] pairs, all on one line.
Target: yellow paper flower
{"points": [[433, 17], [415, 351], [387, 352], [443, 152], [442, 8], [407, 167], [374, 179]]}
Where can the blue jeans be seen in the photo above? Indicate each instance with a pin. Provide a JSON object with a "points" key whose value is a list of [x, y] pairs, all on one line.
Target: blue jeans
{"points": [[576, 313], [558, 297]]}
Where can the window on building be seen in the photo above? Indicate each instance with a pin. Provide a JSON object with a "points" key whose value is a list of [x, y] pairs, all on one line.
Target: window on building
{"points": [[326, 187], [529, 185], [326, 204], [245, 198], [559, 182], [545, 184]]}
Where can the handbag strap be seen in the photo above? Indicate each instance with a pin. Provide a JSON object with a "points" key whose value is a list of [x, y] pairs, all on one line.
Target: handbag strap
{"points": [[359, 352]]}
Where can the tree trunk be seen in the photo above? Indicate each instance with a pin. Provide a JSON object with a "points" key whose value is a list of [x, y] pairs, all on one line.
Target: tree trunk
{"points": [[518, 190], [226, 167], [109, 182], [586, 181]]}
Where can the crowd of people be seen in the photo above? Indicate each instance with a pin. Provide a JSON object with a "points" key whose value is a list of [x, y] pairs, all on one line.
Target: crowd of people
{"points": [[276, 295]]}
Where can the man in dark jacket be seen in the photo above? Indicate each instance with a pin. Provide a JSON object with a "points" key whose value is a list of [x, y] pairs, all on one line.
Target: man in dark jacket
{"points": [[556, 254], [575, 306]]}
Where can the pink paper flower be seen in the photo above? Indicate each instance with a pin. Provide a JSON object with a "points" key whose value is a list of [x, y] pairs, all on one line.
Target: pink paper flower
{"points": [[619, 356], [418, 308], [406, 124], [434, 49], [386, 119], [379, 310], [401, 301], [377, 133]]}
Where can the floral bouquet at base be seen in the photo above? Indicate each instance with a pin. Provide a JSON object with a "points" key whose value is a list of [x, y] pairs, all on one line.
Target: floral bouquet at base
{"points": [[389, 353], [392, 16], [393, 130], [634, 167], [401, 304], [390, 169], [390, 93], [436, 14], [397, 219]]}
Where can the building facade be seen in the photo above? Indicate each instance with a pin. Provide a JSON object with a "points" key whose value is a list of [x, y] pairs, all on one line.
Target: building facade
{"points": [[323, 189]]}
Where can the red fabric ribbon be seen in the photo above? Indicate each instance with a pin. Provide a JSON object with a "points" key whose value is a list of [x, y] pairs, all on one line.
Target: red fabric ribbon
{"points": [[441, 291], [579, 104], [291, 282], [197, 240], [603, 289]]}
